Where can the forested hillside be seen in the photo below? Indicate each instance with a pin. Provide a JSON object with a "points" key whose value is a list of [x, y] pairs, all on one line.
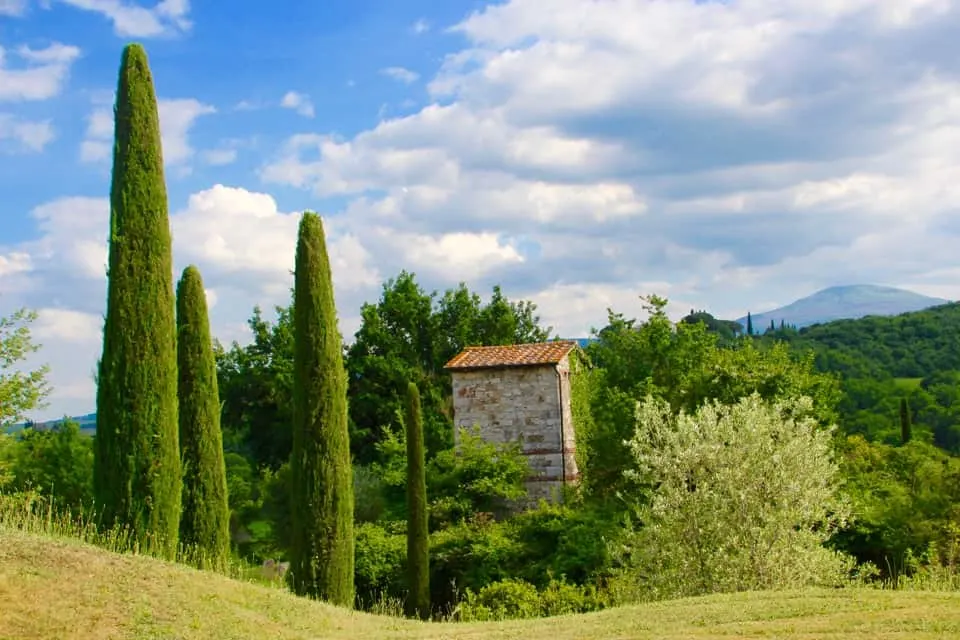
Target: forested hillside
{"points": [[913, 357]]}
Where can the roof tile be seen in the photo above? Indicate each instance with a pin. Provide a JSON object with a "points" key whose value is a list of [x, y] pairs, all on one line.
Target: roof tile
{"points": [[516, 355]]}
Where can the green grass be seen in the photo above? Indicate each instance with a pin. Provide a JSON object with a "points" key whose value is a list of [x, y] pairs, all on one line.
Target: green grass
{"points": [[62, 588], [907, 384]]}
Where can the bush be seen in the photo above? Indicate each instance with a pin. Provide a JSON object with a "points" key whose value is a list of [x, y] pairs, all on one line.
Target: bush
{"points": [[512, 598], [381, 556]]}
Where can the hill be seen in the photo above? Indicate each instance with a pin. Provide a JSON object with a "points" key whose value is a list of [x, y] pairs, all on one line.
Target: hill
{"points": [[847, 302], [64, 589]]}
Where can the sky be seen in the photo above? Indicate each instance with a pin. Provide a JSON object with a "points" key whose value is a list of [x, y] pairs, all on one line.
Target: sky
{"points": [[729, 155]]}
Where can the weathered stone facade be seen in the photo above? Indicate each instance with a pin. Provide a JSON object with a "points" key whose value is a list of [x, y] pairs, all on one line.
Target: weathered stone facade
{"points": [[521, 401]]}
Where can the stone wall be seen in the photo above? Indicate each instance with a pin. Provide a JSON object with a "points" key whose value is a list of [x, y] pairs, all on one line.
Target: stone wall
{"points": [[526, 404]]}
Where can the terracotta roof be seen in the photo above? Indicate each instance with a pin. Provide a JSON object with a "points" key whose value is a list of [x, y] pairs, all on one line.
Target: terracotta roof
{"points": [[515, 355]]}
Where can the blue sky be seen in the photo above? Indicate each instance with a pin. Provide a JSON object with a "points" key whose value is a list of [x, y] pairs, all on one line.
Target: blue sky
{"points": [[729, 155]]}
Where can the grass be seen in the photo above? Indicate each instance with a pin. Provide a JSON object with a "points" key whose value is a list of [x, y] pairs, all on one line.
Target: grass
{"points": [[62, 588], [907, 384]]}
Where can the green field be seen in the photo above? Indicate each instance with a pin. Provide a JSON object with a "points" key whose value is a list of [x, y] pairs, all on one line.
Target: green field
{"points": [[908, 384], [62, 589]]}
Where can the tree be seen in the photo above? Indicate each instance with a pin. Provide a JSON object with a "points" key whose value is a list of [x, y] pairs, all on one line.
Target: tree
{"points": [[409, 335], [749, 324], [906, 430], [743, 497], [256, 389], [205, 519], [322, 545], [137, 454], [20, 391], [418, 542]]}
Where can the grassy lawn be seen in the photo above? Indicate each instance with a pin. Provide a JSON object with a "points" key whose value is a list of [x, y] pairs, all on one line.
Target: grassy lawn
{"points": [[60, 589], [907, 384]]}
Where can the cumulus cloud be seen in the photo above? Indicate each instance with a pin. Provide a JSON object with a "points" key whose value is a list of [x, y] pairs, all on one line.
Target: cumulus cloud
{"points": [[736, 151], [401, 74], [28, 135], [242, 243], [35, 74], [130, 19], [177, 117], [297, 102]]}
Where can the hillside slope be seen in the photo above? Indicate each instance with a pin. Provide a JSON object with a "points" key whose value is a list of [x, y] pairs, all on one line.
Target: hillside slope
{"points": [[60, 589], [847, 302]]}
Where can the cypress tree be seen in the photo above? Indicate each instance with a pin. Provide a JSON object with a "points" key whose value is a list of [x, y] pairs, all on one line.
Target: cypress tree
{"points": [[322, 547], [418, 543], [205, 520], [749, 324], [137, 457], [906, 429]]}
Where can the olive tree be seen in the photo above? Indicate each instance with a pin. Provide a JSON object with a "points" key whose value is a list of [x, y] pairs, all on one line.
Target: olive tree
{"points": [[741, 496]]}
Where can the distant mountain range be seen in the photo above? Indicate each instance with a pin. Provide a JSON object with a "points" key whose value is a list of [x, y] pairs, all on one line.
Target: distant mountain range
{"points": [[88, 424], [843, 303]]}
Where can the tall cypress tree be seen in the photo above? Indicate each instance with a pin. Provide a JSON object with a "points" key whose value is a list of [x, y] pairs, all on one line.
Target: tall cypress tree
{"points": [[322, 547], [418, 542], [749, 324], [906, 429], [137, 456], [205, 520]]}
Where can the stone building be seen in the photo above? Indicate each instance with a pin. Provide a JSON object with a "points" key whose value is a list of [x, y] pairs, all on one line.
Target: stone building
{"points": [[521, 392]]}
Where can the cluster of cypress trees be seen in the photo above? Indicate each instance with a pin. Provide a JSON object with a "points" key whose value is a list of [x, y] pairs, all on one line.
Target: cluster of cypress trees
{"points": [[158, 460], [159, 466]]}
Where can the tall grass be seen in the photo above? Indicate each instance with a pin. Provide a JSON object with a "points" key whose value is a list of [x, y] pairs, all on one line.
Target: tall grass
{"points": [[30, 512]]}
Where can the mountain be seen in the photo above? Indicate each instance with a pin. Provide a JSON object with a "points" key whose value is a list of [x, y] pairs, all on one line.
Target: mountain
{"points": [[87, 422], [843, 303]]}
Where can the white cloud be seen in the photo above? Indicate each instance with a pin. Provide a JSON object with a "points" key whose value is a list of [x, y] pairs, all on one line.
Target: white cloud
{"points": [[41, 74], [242, 243], [405, 76], [220, 157], [297, 102], [13, 8], [27, 135], [132, 20], [177, 117], [737, 151]]}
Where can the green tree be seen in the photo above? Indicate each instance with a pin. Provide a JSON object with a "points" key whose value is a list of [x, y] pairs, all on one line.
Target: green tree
{"points": [[256, 389], [749, 324], [322, 553], [57, 463], [20, 391], [906, 430], [205, 518], [743, 498], [137, 454], [409, 335], [418, 541]]}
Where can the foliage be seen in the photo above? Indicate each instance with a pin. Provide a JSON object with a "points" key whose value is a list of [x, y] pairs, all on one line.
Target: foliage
{"points": [[322, 542], [55, 463], [137, 456], [205, 514], [256, 390], [20, 391], [381, 550], [418, 541], [743, 496], [511, 598], [905, 500], [684, 366], [409, 335], [476, 477]]}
